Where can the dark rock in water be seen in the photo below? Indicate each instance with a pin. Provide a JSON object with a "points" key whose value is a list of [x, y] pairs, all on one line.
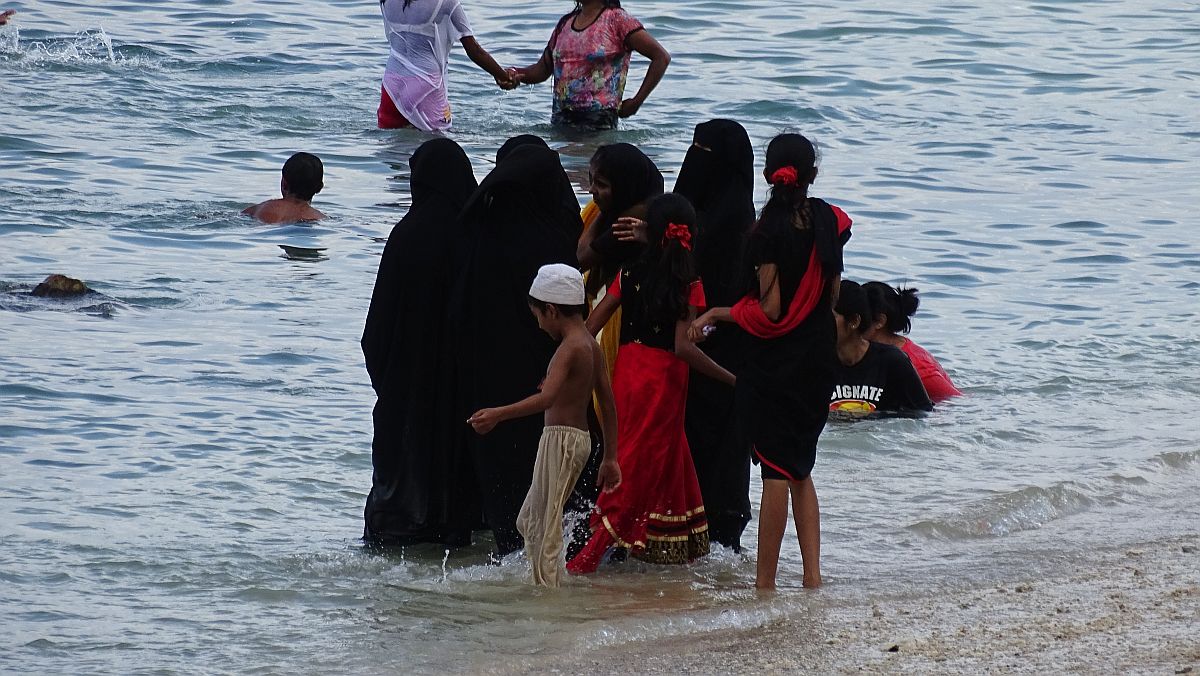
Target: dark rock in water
{"points": [[60, 286]]}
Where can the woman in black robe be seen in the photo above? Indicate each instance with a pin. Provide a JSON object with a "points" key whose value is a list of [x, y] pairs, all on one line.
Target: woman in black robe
{"points": [[717, 176], [417, 492], [523, 216]]}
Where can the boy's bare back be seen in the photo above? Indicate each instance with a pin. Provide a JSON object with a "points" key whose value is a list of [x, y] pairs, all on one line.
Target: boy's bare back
{"points": [[578, 353]]}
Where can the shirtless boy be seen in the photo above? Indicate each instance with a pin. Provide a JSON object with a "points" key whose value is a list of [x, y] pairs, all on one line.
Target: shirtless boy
{"points": [[303, 177], [576, 372]]}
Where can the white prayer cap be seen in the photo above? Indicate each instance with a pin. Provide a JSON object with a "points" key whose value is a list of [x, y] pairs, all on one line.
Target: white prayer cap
{"points": [[559, 284]]}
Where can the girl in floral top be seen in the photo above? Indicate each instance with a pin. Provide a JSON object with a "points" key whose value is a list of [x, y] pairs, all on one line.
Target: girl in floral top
{"points": [[588, 55]]}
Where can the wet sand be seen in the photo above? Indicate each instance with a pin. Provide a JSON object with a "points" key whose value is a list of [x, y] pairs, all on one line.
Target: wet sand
{"points": [[1132, 610]]}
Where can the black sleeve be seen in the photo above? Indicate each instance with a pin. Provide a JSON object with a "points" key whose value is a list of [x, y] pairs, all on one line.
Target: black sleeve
{"points": [[904, 386], [761, 249]]}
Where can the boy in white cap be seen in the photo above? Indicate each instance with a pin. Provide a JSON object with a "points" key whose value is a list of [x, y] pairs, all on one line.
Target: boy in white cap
{"points": [[576, 372]]}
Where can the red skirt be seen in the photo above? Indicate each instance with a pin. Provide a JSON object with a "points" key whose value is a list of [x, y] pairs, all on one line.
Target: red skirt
{"points": [[657, 512]]}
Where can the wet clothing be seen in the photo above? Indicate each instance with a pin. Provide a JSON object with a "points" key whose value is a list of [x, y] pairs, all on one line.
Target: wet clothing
{"points": [[562, 453], [523, 216], [590, 67], [719, 182], [422, 489], [657, 512], [883, 381], [935, 379], [790, 364], [420, 37]]}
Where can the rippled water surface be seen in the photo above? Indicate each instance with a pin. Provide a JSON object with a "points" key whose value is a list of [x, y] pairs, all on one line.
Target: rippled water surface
{"points": [[183, 460]]}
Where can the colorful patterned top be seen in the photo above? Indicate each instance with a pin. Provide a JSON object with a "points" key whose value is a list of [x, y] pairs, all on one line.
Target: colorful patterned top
{"points": [[590, 65]]}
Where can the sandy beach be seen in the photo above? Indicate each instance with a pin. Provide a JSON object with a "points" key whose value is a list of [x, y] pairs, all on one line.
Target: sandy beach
{"points": [[1131, 610]]}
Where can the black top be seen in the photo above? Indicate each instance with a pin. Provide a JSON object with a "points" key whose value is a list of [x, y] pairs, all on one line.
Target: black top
{"points": [[884, 381], [636, 324], [789, 248]]}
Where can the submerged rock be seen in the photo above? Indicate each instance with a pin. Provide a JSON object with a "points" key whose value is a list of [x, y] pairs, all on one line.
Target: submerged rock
{"points": [[60, 286]]}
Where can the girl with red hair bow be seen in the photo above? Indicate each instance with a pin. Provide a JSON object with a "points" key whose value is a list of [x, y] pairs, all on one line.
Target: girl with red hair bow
{"points": [[657, 513], [784, 384]]}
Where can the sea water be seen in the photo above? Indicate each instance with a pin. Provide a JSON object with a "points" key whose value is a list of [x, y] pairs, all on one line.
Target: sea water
{"points": [[183, 461]]}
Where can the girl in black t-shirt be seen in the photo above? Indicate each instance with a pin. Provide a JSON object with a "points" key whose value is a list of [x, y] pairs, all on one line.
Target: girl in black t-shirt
{"points": [[872, 378]]}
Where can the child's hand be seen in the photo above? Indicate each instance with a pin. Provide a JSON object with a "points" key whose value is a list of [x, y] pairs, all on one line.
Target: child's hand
{"points": [[629, 229], [700, 328], [609, 476], [629, 107], [485, 420]]}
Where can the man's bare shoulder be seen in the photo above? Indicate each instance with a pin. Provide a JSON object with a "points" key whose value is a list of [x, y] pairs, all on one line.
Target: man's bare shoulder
{"points": [[282, 211]]}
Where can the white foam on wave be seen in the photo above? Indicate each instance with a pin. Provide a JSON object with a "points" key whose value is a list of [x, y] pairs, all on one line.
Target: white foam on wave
{"points": [[1032, 507]]}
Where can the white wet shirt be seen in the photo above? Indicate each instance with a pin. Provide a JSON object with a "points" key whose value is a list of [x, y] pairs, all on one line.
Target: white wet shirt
{"points": [[421, 37]]}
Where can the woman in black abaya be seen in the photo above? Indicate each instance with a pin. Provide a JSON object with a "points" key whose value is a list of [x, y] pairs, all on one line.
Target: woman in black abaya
{"points": [[523, 216], [717, 176], [417, 488]]}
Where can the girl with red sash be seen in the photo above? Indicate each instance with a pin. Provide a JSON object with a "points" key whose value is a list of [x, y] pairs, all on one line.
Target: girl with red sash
{"points": [[783, 388], [657, 513]]}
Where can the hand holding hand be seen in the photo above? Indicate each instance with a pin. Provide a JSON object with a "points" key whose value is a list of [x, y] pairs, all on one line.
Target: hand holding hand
{"points": [[609, 476], [484, 420], [511, 80], [629, 229], [629, 107]]}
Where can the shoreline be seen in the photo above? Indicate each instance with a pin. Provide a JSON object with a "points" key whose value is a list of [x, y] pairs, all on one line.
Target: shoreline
{"points": [[1135, 609]]}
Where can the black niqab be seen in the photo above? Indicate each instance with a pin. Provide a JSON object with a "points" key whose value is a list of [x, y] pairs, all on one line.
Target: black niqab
{"points": [[416, 494], [516, 142], [522, 216], [719, 182]]}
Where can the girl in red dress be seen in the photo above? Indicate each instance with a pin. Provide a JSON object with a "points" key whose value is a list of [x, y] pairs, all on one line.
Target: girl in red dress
{"points": [[656, 514]]}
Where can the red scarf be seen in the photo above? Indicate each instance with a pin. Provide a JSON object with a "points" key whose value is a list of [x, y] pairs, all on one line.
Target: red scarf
{"points": [[749, 315]]}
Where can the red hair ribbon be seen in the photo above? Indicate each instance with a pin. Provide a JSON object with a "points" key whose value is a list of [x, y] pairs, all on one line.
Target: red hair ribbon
{"points": [[785, 176], [679, 232]]}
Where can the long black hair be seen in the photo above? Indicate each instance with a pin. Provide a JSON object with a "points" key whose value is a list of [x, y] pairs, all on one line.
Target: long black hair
{"points": [[667, 266], [791, 168], [852, 302], [898, 304]]}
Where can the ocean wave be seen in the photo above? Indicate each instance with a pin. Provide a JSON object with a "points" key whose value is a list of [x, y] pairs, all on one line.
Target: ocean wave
{"points": [[1032, 507]]}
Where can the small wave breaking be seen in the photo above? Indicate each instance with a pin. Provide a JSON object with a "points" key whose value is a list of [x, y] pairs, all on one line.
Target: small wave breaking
{"points": [[1032, 507]]}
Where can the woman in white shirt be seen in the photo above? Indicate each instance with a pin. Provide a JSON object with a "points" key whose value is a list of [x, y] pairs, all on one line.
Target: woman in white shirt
{"points": [[421, 34]]}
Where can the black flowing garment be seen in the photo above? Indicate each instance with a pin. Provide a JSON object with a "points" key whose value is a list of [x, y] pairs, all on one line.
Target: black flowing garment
{"points": [[635, 180], [719, 182], [524, 215], [417, 494]]}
